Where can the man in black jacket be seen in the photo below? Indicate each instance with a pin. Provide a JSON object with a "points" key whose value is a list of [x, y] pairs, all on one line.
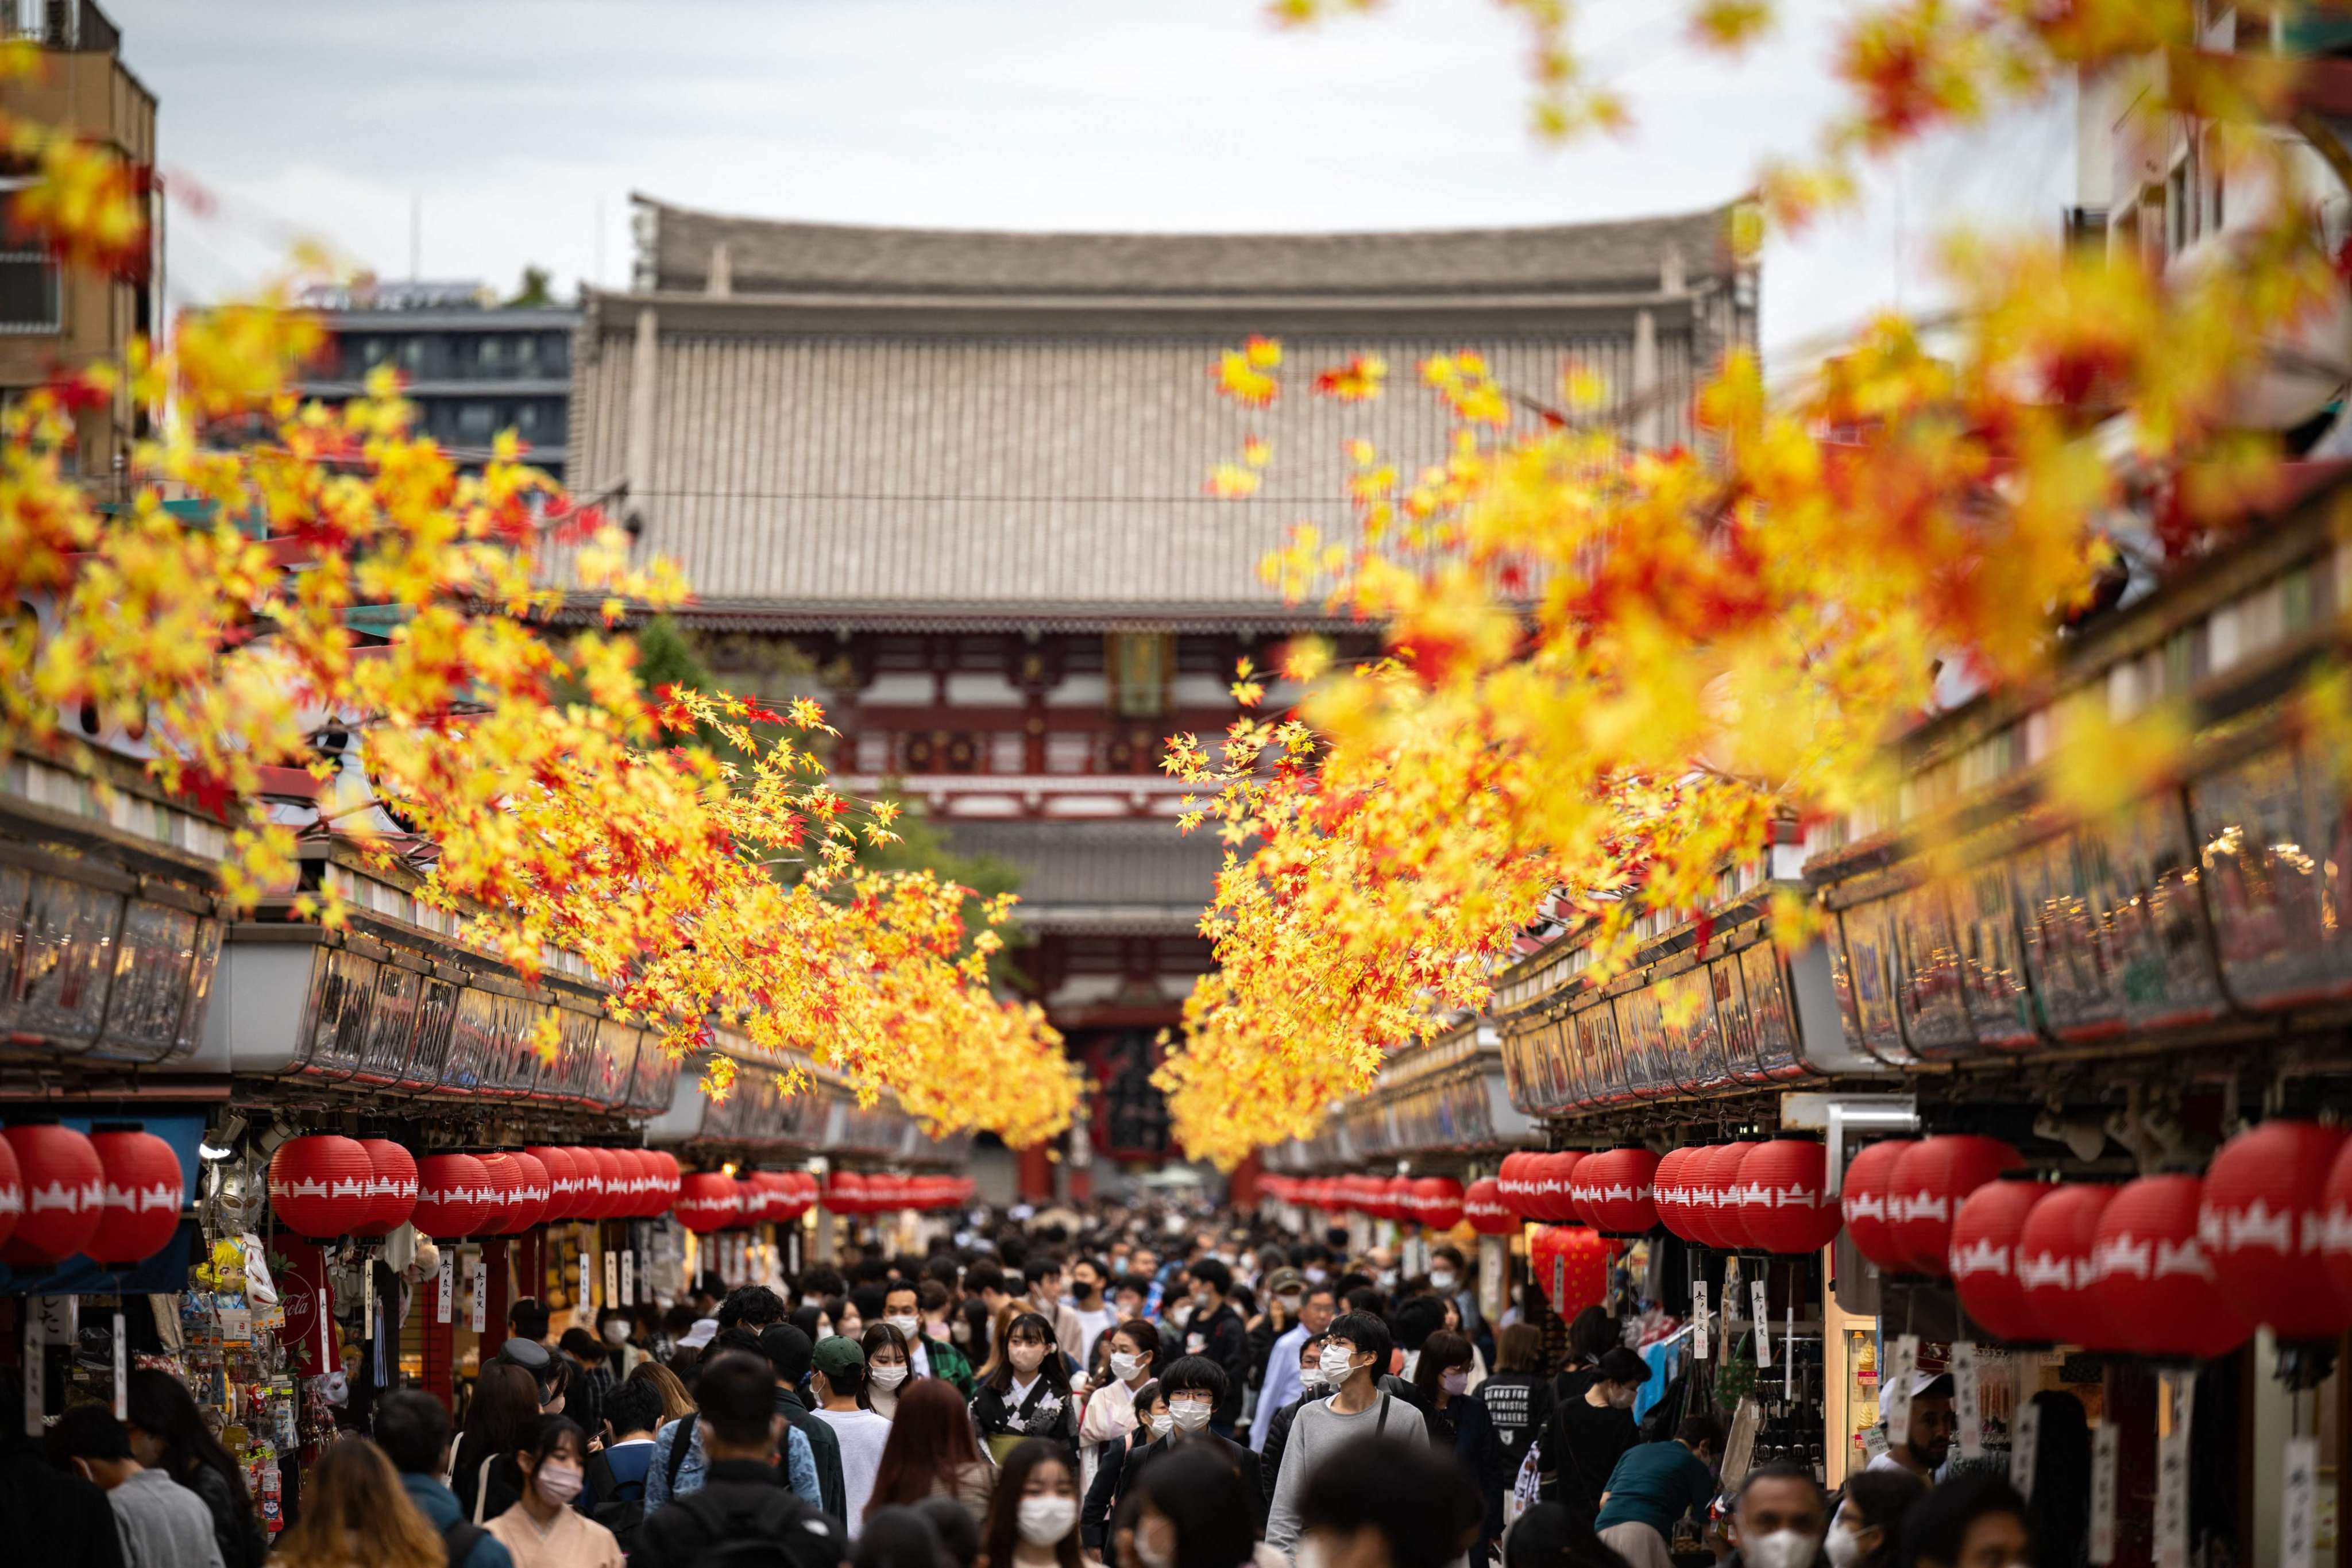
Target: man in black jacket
{"points": [[789, 1352], [1312, 1386], [743, 1495], [1216, 1331], [1194, 1386]]}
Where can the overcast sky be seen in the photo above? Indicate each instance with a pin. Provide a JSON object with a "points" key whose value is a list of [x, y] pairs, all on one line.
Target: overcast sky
{"points": [[513, 124]]}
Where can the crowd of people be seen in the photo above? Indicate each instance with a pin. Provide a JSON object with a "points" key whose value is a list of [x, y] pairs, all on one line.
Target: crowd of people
{"points": [[1124, 1391]]}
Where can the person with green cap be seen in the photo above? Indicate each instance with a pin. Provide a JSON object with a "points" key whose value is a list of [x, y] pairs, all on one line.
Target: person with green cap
{"points": [[840, 1374]]}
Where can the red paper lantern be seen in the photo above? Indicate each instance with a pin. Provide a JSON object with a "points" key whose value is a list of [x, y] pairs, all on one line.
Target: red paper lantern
{"points": [[1670, 1190], [768, 1195], [665, 1180], [453, 1197], [1700, 1197], [1400, 1199], [2336, 1233], [1484, 1207], [845, 1192], [1544, 1180], [1931, 1181], [1987, 1246], [1571, 1265], [1719, 1194], [616, 1174], [564, 1188], [65, 1192], [319, 1185], [1437, 1202], [707, 1200], [2156, 1286], [1615, 1187], [1511, 1182], [2263, 1221], [532, 1198], [589, 1172], [1867, 1203], [12, 1193], [502, 1179], [1783, 1197], [2056, 1274], [391, 1187], [645, 1183], [145, 1189]]}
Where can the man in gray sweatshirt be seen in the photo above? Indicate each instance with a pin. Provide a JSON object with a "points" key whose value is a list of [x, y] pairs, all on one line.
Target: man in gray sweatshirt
{"points": [[1355, 1354]]}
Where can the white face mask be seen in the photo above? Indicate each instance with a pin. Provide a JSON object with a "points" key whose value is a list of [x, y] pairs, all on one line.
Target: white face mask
{"points": [[889, 1375], [1441, 1280], [1161, 1423], [1180, 1313], [1316, 1276], [616, 1331], [910, 1327], [1191, 1414], [1150, 1550], [1124, 1366], [1290, 1301], [1338, 1360], [1781, 1549], [1844, 1545], [1045, 1521], [1312, 1381], [812, 1301]]}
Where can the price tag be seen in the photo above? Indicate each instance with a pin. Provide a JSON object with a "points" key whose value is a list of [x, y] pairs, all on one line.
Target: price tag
{"points": [[1762, 1301], [1902, 1364], [1968, 1409], [2299, 1503], [444, 1299], [612, 1275], [481, 1294], [37, 1370], [2103, 1494], [122, 1370], [2172, 1477], [1698, 1320], [2024, 1448], [628, 1279]]}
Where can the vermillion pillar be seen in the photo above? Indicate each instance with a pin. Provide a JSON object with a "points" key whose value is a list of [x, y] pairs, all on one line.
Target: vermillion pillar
{"points": [[1035, 1177]]}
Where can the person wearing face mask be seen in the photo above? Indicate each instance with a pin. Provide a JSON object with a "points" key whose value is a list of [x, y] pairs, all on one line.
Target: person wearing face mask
{"points": [[1591, 1432], [1654, 1485], [1027, 1393], [1354, 1355], [1192, 1386], [928, 1356], [1778, 1518], [1517, 1401], [1192, 1511], [791, 1354], [1281, 1386], [1033, 1522], [1090, 1305], [942, 1354], [1441, 1388], [887, 1368], [1284, 1291], [1866, 1531], [744, 1500], [1152, 1422], [1388, 1503], [542, 1530], [1449, 1276], [1312, 1386], [1109, 1413], [1215, 1329], [617, 1332], [840, 1381]]}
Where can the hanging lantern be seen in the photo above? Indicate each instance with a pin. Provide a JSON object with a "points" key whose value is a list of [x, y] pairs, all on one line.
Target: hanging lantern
{"points": [[1571, 1266], [391, 1187], [65, 1192], [1484, 1207], [1931, 1181], [845, 1192], [707, 1200], [564, 1190], [454, 1198], [1783, 1198], [531, 1191], [319, 1185], [2056, 1274], [1398, 1200], [589, 1171], [666, 1179], [1512, 1184], [1437, 1202], [1700, 1197], [2158, 1288], [616, 1174], [638, 1177], [1555, 1181], [768, 1196], [1727, 1220], [144, 1190], [1867, 1203], [1986, 1248], [804, 1193], [1670, 1190], [502, 1178], [12, 1193], [1616, 1187], [2263, 1222]]}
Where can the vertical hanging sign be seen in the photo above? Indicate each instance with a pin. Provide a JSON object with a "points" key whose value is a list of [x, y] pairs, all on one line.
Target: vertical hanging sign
{"points": [[1762, 1301], [36, 1367], [2102, 1495], [1968, 1406], [2172, 1470], [1698, 1320], [628, 1279], [1903, 1364], [2299, 1503], [122, 1370], [1788, 1357], [2024, 1448], [612, 1275], [481, 1293], [447, 1296]]}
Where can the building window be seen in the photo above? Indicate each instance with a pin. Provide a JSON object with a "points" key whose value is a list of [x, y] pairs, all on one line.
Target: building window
{"points": [[477, 421], [526, 355], [527, 418], [1138, 665], [412, 356], [29, 300]]}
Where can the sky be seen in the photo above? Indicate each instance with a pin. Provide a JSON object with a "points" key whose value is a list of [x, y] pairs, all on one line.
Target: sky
{"points": [[514, 131]]}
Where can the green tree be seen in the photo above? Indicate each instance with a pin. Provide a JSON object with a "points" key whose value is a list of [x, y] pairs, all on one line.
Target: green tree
{"points": [[538, 291]]}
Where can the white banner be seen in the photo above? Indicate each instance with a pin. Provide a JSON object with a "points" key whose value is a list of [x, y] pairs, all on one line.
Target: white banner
{"points": [[445, 1301], [2172, 1474], [1698, 1320], [481, 1294], [2024, 1448], [122, 1370], [2299, 1503], [1901, 1363], [628, 1279], [1968, 1405], [612, 1275], [2103, 1494], [1762, 1301]]}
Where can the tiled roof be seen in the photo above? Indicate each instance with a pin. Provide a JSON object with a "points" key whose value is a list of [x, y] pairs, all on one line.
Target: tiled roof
{"points": [[1132, 877], [766, 256]]}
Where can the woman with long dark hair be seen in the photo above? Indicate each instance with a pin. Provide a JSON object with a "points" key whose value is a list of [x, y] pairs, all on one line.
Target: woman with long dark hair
{"points": [[1034, 1520], [1132, 1356], [886, 1368], [483, 1475], [1193, 1511], [355, 1515], [542, 1530], [1028, 1395], [1456, 1420], [930, 1452], [168, 1434]]}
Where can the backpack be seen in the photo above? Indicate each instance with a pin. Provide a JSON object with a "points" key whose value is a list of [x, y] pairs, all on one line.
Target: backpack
{"points": [[782, 1532], [622, 1509], [457, 1541]]}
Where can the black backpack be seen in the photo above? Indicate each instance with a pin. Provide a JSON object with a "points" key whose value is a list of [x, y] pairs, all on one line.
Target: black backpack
{"points": [[781, 1531], [620, 1506], [457, 1541]]}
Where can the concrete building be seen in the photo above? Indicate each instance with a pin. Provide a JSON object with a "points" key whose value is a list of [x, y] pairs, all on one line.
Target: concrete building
{"points": [[958, 476], [56, 318]]}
